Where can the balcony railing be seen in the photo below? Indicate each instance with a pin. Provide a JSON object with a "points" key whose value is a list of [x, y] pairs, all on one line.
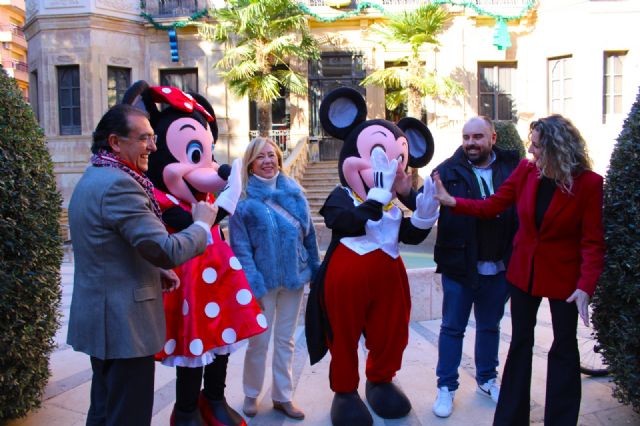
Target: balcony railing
{"points": [[13, 29], [281, 138], [173, 8], [16, 65]]}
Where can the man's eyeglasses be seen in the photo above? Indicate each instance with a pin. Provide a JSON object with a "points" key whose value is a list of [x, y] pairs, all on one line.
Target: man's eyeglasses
{"points": [[144, 138]]}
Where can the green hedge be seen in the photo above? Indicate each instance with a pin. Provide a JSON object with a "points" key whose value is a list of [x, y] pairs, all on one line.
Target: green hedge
{"points": [[507, 137], [30, 255], [616, 304]]}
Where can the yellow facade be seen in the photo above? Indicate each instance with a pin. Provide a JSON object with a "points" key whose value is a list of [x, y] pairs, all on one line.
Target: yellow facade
{"points": [[13, 43], [578, 58]]}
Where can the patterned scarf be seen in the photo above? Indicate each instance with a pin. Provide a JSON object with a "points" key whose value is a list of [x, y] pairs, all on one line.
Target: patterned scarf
{"points": [[109, 159]]}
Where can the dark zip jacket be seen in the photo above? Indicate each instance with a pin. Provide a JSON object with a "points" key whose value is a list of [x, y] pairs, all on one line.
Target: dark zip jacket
{"points": [[457, 244]]}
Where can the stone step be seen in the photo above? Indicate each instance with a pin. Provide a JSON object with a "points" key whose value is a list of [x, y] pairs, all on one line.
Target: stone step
{"points": [[319, 182], [324, 163], [334, 177], [314, 191], [325, 189], [323, 167]]}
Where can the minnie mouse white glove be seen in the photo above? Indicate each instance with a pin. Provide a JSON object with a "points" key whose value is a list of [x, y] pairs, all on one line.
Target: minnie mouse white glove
{"points": [[384, 174], [427, 211], [228, 198]]}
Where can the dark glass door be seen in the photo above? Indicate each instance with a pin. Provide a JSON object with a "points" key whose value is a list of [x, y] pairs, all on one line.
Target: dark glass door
{"points": [[335, 69]]}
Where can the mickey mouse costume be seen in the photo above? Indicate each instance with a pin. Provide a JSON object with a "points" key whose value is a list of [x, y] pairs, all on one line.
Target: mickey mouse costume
{"points": [[214, 307], [362, 285]]}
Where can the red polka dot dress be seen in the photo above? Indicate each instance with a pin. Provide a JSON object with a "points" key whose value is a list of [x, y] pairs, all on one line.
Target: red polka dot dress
{"points": [[213, 308]]}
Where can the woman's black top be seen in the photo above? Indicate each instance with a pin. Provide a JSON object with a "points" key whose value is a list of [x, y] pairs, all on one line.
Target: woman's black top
{"points": [[545, 194]]}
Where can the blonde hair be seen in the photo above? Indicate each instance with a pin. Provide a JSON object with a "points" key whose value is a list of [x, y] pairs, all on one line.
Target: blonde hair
{"points": [[563, 151], [251, 153]]}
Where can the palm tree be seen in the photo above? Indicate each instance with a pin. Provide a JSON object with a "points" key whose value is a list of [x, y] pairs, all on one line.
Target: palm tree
{"points": [[408, 82], [264, 35]]}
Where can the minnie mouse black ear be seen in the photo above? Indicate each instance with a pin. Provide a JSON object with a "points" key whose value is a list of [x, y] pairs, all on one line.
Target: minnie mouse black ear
{"points": [[341, 110], [137, 95], [421, 144]]}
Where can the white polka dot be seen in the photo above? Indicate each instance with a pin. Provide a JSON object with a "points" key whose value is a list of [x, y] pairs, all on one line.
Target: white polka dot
{"points": [[229, 335], [196, 347], [212, 309], [262, 320], [185, 307], [173, 199], [209, 275], [188, 96], [166, 90], [235, 263], [170, 346], [188, 105], [243, 297]]}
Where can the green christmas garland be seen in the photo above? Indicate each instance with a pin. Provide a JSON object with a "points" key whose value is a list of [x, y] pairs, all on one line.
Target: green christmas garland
{"points": [[501, 37]]}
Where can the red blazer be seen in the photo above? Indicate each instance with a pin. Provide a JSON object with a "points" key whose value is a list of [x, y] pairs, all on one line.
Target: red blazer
{"points": [[568, 251]]}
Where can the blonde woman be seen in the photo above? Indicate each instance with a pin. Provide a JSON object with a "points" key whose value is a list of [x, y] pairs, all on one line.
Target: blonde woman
{"points": [[558, 253], [273, 237]]}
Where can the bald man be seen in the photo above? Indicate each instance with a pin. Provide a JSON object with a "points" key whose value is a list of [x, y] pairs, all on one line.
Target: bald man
{"points": [[472, 255]]}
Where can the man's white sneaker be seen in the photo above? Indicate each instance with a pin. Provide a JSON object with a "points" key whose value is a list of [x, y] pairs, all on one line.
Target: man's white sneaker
{"points": [[443, 407], [490, 389]]}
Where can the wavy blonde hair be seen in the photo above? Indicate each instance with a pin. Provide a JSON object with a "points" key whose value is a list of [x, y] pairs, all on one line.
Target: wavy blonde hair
{"points": [[563, 151], [251, 153]]}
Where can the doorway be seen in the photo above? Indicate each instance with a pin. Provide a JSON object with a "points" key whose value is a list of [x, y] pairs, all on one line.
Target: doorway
{"points": [[333, 70]]}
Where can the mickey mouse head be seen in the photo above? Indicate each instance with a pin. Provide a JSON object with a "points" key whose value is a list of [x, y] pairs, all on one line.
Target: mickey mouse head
{"points": [[343, 115]]}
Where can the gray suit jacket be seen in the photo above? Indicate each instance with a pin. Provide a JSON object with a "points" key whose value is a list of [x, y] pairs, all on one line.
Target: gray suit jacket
{"points": [[118, 245]]}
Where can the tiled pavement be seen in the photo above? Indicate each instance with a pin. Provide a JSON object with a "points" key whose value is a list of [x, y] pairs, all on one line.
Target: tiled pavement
{"points": [[66, 399]]}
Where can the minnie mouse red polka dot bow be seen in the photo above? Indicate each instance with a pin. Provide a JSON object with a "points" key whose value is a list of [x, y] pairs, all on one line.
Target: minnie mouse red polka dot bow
{"points": [[178, 99]]}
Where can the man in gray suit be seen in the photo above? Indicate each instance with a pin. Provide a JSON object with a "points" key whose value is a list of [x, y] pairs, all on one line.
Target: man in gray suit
{"points": [[122, 259]]}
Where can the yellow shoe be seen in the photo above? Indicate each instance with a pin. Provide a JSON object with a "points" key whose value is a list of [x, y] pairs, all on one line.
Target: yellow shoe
{"points": [[250, 406], [289, 409]]}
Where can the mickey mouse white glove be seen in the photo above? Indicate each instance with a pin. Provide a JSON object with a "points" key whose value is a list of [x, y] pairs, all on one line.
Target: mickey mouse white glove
{"points": [[427, 208], [384, 174], [228, 198]]}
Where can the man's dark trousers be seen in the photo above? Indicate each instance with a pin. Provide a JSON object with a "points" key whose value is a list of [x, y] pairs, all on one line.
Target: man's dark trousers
{"points": [[121, 392]]}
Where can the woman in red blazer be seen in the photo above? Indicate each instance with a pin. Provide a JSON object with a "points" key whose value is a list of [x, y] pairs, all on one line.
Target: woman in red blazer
{"points": [[558, 253]]}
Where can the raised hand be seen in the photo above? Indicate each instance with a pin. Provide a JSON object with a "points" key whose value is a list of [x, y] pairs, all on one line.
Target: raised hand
{"points": [[426, 205], [228, 198], [441, 193], [384, 174]]}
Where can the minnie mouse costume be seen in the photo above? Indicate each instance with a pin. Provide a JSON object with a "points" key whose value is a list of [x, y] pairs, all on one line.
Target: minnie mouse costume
{"points": [[214, 307]]}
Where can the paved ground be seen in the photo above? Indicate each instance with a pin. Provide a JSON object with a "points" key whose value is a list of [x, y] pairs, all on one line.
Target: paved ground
{"points": [[66, 399]]}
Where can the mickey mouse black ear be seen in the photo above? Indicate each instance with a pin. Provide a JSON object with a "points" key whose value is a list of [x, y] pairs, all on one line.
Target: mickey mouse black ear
{"points": [[421, 144], [341, 110]]}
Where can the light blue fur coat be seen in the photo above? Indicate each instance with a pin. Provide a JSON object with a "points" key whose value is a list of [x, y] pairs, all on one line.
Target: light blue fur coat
{"points": [[271, 250]]}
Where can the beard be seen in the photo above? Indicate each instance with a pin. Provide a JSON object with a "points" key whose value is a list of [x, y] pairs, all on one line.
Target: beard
{"points": [[478, 155]]}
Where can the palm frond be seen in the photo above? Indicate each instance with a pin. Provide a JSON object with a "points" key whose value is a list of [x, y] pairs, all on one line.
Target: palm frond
{"points": [[242, 70], [394, 98], [388, 78], [294, 82], [236, 55]]}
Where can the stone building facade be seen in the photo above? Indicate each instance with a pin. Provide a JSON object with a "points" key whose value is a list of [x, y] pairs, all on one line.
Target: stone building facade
{"points": [[573, 57]]}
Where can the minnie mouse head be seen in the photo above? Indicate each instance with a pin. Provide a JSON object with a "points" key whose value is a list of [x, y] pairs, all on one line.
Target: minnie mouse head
{"points": [[343, 115], [183, 164]]}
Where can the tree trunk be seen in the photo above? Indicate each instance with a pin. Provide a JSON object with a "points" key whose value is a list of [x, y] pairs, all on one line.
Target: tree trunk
{"points": [[264, 118], [414, 109]]}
